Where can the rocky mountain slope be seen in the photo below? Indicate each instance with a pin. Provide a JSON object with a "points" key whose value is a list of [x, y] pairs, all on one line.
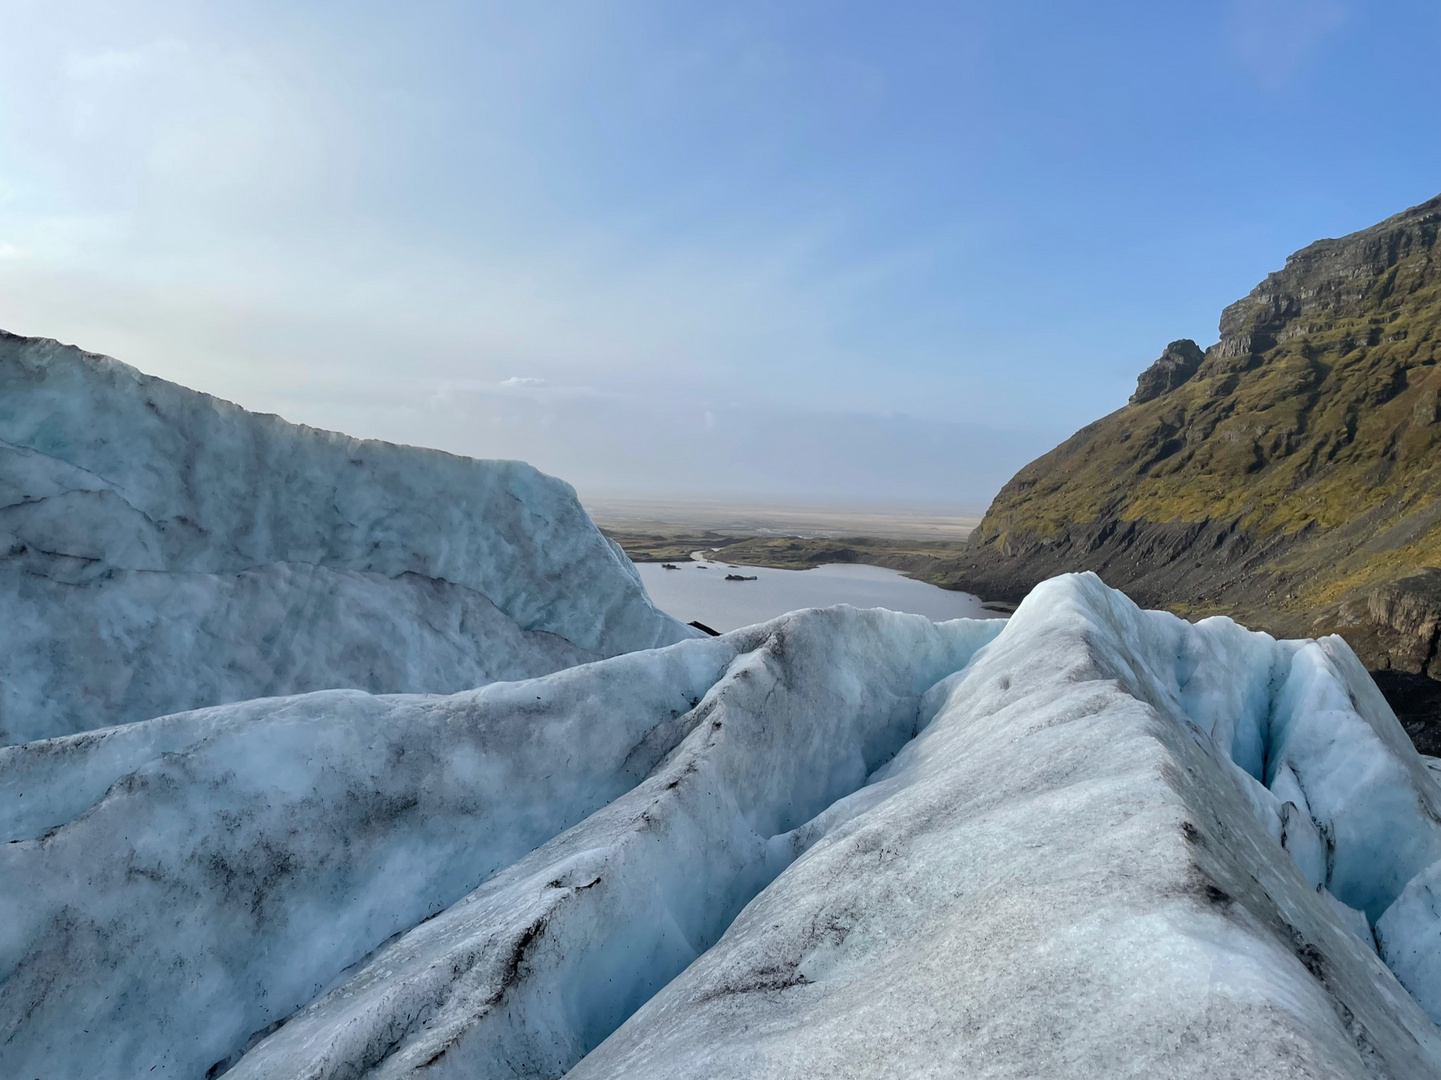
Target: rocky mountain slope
{"points": [[1288, 475], [1092, 841], [161, 550]]}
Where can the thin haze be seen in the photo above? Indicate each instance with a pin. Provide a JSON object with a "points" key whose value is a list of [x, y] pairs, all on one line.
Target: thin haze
{"points": [[863, 252]]}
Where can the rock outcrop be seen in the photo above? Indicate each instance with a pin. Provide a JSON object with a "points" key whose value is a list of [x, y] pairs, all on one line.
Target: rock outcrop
{"points": [[161, 550], [1174, 366]]}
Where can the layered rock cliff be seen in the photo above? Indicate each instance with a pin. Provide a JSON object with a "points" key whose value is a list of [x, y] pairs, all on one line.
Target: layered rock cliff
{"points": [[1289, 475]]}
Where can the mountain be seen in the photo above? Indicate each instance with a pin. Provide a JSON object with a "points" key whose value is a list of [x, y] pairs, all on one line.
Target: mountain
{"points": [[1288, 475], [1089, 841], [161, 550]]}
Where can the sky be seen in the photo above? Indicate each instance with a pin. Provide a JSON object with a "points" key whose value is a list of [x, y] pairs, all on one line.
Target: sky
{"points": [[826, 253]]}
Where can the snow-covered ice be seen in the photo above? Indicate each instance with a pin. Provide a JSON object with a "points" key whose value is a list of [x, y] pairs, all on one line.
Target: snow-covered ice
{"points": [[1093, 841], [162, 550]]}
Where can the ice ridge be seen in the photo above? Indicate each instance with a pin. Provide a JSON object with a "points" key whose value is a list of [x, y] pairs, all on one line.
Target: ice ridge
{"points": [[162, 550]]}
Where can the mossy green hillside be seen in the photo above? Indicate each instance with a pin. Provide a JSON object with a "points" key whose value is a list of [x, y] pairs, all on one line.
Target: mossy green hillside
{"points": [[1321, 403]]}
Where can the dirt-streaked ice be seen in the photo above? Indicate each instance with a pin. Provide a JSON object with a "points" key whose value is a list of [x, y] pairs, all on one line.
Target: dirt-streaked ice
{"points": [[1067, 875], [213, 872], [1091, 842]]}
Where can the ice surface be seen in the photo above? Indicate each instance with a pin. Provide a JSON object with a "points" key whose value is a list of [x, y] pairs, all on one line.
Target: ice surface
{"points": [[239, 858], [1407, 935], [1409, 930], [182, 883], [1356, 922], [162, 550], [1304, 843], [1094, 841], [536, 967]]}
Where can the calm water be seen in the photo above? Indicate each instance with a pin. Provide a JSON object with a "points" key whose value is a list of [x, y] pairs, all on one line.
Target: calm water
{"points": [[699, 591]]}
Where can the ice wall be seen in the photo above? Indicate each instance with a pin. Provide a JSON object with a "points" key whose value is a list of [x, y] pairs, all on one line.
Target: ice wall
{"points": [[161, 550]]}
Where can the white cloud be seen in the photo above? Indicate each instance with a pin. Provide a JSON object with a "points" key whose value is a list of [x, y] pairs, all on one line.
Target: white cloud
{"points": [[108, 63], [542, 390], [9, 251]]}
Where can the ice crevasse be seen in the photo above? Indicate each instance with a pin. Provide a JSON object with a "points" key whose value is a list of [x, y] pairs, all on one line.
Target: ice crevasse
{"points": [[1090, 841]]}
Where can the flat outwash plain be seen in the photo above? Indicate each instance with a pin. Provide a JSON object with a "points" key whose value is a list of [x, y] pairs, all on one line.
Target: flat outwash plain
{"points": [[737, 518], [655, 530]]}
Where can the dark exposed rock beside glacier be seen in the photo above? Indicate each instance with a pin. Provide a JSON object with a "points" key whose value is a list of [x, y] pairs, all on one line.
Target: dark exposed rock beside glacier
{"points": [[1175, 365]]}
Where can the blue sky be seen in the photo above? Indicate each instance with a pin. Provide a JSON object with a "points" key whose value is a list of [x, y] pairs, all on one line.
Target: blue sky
{"points": [[826, 252]]}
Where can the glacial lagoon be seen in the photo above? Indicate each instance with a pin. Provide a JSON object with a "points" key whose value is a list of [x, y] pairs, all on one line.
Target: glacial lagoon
{"points": [[698, 591]]}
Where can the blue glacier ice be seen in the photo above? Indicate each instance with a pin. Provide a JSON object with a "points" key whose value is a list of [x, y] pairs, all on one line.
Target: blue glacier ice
{"points": [[162, 550], [236, 861]]}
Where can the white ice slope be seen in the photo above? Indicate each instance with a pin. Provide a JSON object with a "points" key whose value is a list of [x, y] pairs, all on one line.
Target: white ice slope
{"points": [[1095, 842], [1073, 872], [161, 550]]}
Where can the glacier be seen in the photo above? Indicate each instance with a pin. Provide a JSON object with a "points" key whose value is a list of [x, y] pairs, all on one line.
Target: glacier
{"points": [[1090, 840], [163, 550]]}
